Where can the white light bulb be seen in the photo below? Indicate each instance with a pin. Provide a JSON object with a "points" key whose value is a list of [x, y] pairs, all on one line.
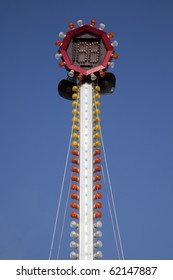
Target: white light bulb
{"points": [[74, 245], [73, 255], [93, 77], [74, 234], [98, 255], [62, 35], [98, 224], [73, 224], [98, 244], [115, 44], [98, 234], [111, 64], [71, 73], [58, 55], [80, 22], [102, 26]]}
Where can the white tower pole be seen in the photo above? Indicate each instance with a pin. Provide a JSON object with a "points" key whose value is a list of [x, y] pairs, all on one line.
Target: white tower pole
{"points": [[86, 173], [86, 52]]}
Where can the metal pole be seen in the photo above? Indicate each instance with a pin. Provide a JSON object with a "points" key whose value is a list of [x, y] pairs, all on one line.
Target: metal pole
{"points": [[86, 173]]}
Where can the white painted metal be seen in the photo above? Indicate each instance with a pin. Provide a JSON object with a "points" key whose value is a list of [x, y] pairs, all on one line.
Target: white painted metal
{"points": [[86, 173]]}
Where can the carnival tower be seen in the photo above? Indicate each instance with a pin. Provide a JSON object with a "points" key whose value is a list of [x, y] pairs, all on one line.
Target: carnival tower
{"points": [[86, 52]]}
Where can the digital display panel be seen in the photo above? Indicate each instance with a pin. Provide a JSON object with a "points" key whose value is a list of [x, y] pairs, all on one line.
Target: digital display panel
{"points": [[86, 52]]}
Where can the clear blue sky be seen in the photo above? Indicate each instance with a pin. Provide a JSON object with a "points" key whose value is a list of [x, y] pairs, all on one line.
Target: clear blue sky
{"points": [[35, 124]]}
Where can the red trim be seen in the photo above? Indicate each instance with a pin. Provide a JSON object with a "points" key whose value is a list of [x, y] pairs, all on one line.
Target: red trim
{"points": [[100, 33]]}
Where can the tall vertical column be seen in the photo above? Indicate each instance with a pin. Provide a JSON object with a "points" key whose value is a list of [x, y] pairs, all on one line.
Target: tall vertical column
{"points": [[86, 52], [86, 173]]}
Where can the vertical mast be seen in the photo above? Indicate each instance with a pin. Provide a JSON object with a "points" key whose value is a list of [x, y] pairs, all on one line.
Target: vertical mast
{"points": [[86, 52], [86, 173]]}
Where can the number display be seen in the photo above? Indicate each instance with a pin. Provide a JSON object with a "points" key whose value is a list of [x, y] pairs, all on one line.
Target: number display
{"points": [[132, 270], [86, 53]]}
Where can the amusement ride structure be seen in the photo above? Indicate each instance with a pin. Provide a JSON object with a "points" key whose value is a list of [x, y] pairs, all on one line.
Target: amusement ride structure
{"points": [[86, 52]]}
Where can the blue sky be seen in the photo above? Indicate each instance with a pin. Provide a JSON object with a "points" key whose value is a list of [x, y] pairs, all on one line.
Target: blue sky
{"points": [[35, 124]]}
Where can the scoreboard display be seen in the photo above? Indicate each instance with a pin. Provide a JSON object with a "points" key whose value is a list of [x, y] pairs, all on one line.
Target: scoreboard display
{"points": [[86, 53]]}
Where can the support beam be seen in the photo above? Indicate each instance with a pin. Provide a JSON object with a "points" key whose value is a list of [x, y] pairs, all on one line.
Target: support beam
{"points": [[86, 173]]}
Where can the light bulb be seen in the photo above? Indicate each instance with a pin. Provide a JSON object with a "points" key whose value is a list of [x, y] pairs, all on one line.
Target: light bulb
{"points": [[93, 22], [97, 96], [80, 22], [97, 104], [71, 26], [115, 55], [80, 77], [110, 35], [98, 255], [102, 26], [98, 244], [58, 43], [74, 168], [93, 77], [74, 255], [97, 88], [114, 44], [75, 152], [73, 224], [58, 55], [62, 35], [61, 63], [75, 161], [74, 245], [98, 234], [75, 89], [97, 144], [75, 104], [111, 64], [74, 234], [74, 195], [75, 179], [71, 73], [102, 73], [98, 224], [75, 112], [97, 135]]}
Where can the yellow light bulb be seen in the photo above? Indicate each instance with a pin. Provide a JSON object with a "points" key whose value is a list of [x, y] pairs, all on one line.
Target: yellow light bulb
{"points": [[97, 119], [97, 104], [75, 144], [97, 96], [75, 112], [97, 135], [97, 144], [74, 96], [75, 127], [75, 88], [97, 112], [75, 120], [97, 127], [75, 135], [75, 104], [97, 88]]}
